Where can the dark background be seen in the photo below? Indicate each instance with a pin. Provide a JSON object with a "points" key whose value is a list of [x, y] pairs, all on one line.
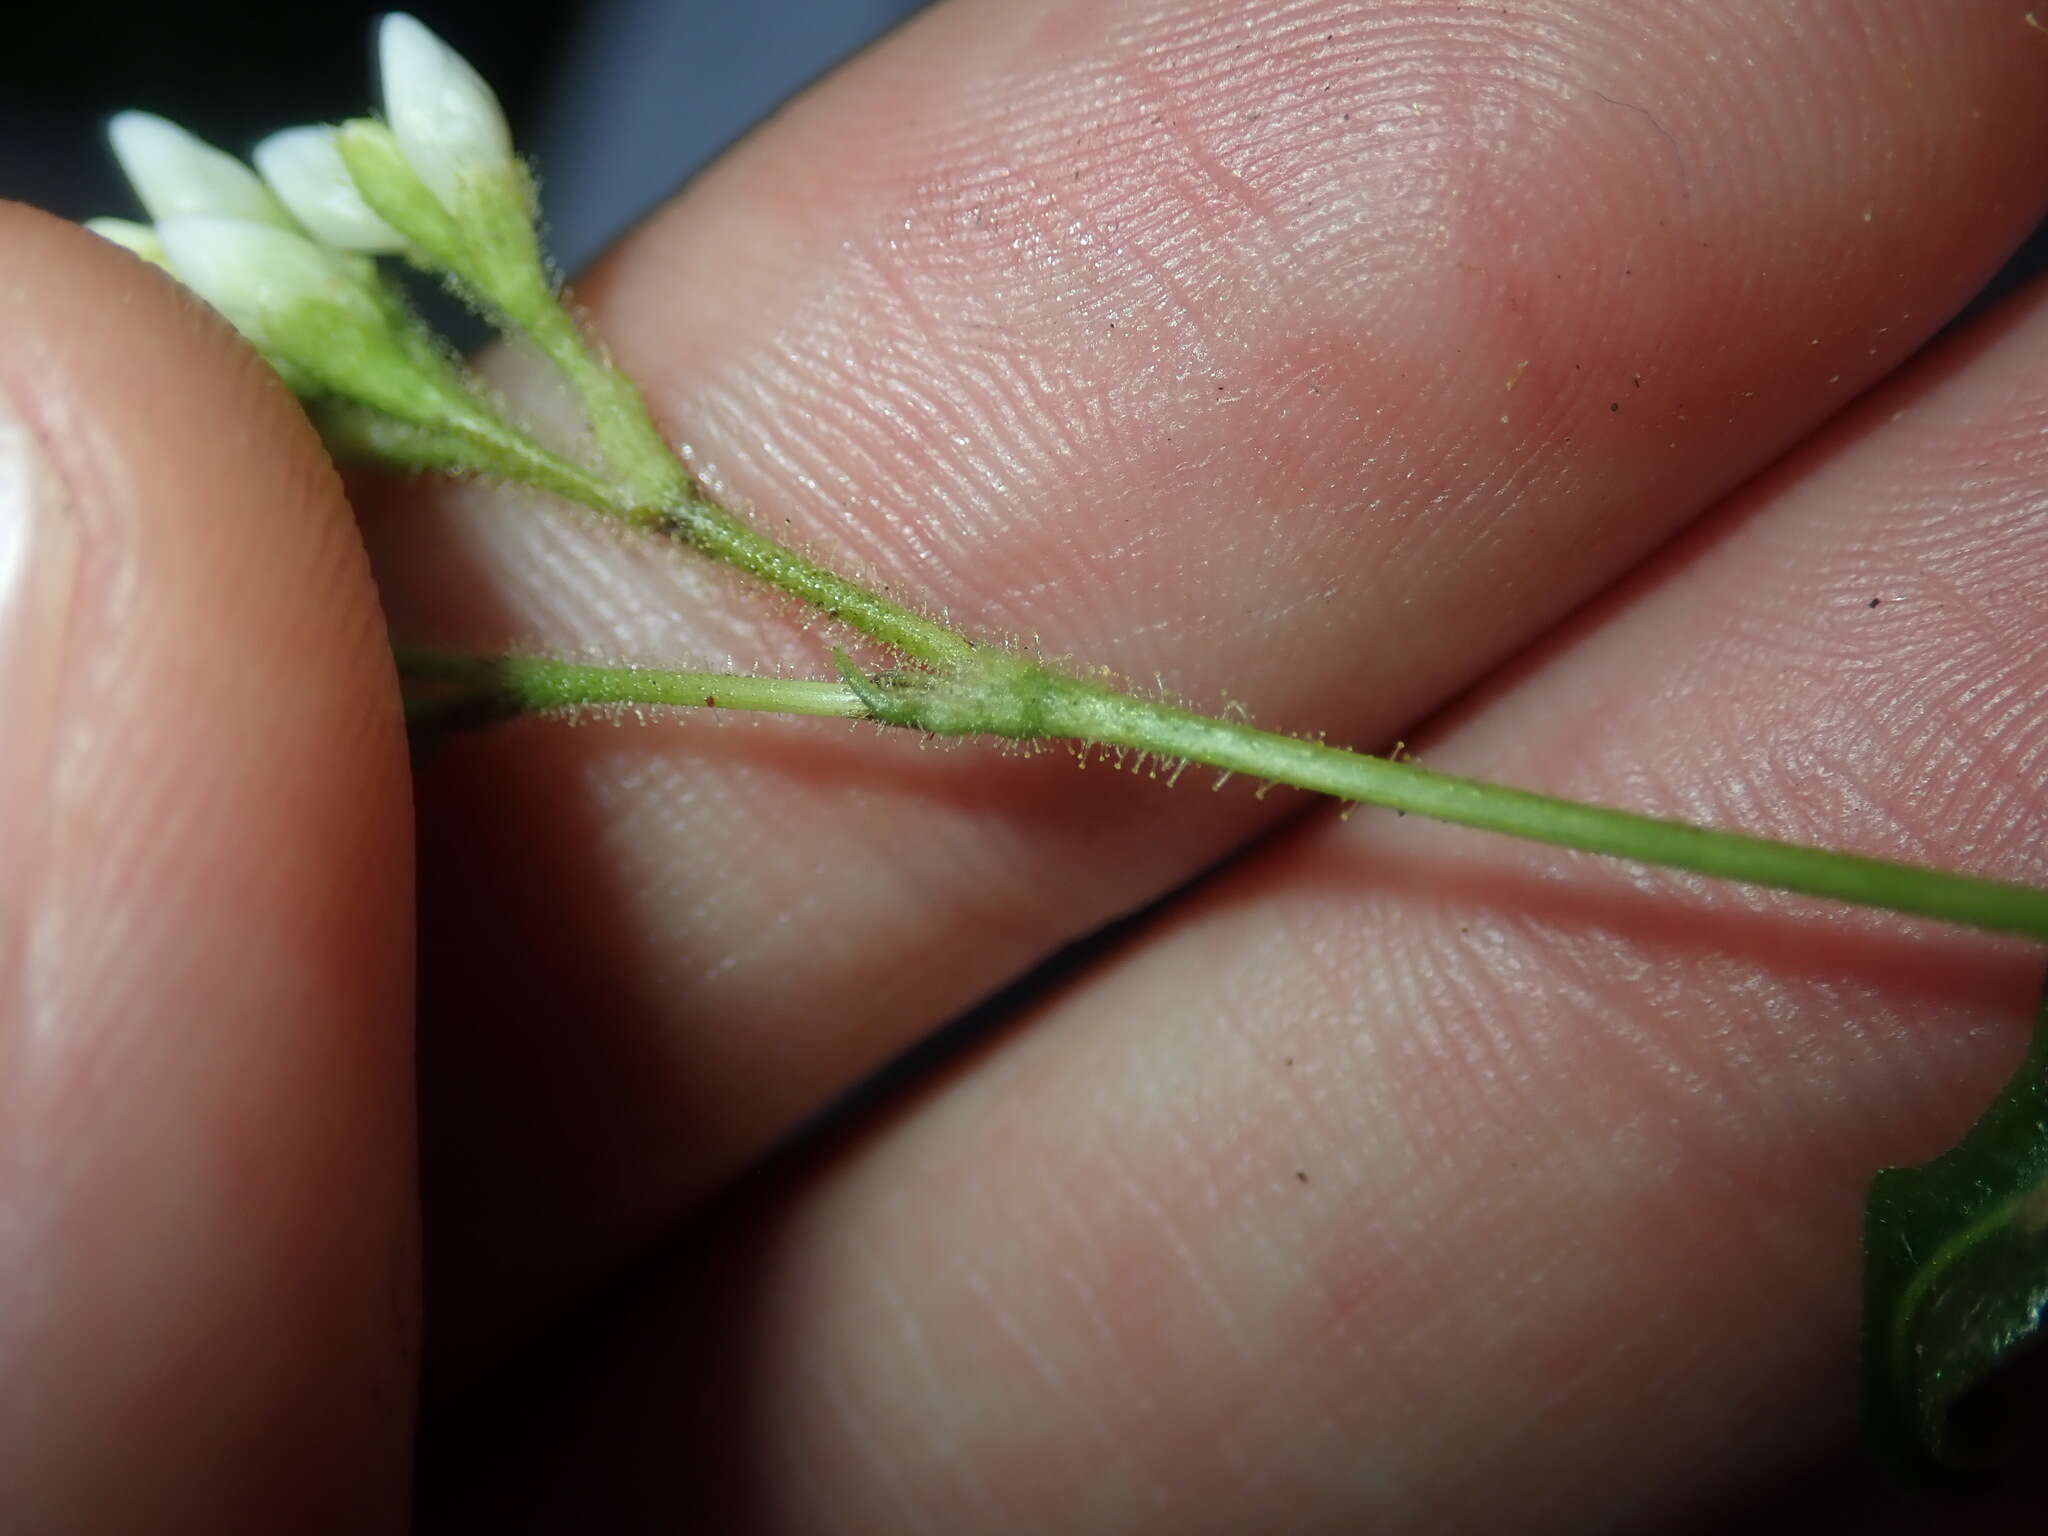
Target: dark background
{"points": [[619, 100]]}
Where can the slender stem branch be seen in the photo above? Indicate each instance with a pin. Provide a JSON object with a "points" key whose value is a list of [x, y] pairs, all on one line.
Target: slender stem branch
{"points": [[1119, 720], [625, 434], [529, 684], [472, 442], [709, 527], [1004, 695], [692, 518]]}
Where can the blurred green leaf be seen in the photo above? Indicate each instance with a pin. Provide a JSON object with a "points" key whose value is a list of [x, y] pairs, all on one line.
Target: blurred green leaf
{"points": [[1956, 1277]]}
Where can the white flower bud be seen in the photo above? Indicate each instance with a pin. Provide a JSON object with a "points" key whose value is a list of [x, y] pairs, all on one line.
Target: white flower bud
{"points": [[264, 278], [323, 318], [175, 174], [445, 118], [140, 239], [305, 169]]}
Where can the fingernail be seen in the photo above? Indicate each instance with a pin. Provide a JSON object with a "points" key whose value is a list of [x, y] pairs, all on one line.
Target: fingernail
{"points": [[39, 551]]}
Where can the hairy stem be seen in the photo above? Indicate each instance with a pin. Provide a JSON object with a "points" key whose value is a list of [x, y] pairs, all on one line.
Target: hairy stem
{"points": [[709, 527], [1000, 694], [1120, 720], [500, 687]]}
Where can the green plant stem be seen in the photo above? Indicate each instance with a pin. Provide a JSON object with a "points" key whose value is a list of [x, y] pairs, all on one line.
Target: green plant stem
{"points": [[691, 518], [1997, 906], [532, 684], [625, 433], [470, 443], [1001, 694], [709, 527]]}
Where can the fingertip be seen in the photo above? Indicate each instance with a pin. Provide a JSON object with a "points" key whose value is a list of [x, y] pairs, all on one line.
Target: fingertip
{"points": [[206, 1190]]}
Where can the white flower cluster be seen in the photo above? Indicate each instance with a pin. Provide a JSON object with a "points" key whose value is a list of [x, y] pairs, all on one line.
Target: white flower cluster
{"points": [[283, 251], [287, 252]]}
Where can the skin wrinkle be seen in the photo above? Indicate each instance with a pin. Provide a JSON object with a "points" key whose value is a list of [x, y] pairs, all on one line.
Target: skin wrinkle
{"points": [[1031, 425], [929, 446], [1931, 691]]}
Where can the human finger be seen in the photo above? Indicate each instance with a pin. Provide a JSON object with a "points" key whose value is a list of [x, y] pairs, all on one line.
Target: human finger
{"points": [[207, 1188]]}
